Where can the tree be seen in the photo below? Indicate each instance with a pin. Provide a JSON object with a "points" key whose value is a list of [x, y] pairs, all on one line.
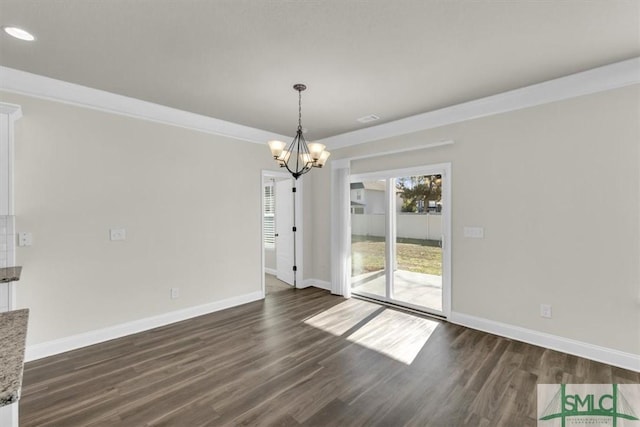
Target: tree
{"points": [[423, 188]]}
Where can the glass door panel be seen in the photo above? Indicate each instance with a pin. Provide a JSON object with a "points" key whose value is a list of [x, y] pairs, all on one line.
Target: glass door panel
{"points": [[399, 252], [368, 238], [417, 249]]}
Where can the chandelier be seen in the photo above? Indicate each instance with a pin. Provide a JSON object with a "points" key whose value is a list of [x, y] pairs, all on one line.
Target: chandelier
{"points": [[299, 157]]}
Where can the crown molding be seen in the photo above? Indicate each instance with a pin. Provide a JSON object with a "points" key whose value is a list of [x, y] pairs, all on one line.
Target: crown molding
{"points": [[24, 83], [599, 79]]}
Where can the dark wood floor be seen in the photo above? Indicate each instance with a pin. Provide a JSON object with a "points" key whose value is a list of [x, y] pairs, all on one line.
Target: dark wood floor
{"points": [[301, 357]]}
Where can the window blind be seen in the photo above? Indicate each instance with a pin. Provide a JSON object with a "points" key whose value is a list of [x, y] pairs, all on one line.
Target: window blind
{"points": [[268, 217]]}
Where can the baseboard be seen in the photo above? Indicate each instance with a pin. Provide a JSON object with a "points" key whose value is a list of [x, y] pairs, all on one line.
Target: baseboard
{"points": [[321, 284], [49, 348], [271, 271], [566, 345]]}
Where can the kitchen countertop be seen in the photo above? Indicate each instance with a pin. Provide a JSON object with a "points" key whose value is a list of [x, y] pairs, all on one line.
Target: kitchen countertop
{"points": [[10, 274], [13, 334]]}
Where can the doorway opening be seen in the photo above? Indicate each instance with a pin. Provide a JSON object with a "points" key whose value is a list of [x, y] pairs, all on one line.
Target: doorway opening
{"points": [[400, 231], [278, 244]]}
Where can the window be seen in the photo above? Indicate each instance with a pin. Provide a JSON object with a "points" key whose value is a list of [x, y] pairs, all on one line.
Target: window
{"points": [[357, 210], [268, 217]]}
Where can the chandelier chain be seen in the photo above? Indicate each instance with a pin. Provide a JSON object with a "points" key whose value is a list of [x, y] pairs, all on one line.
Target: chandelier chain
{"points": [[299, 110]]}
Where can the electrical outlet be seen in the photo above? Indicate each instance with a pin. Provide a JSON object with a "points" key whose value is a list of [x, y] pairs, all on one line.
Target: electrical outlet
{"points": [[545, 311], [117, 234], [474, 232], [175, 293]]}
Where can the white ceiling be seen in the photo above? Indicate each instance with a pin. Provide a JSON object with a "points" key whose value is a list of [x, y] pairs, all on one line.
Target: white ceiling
{"points": [[237, 60]]}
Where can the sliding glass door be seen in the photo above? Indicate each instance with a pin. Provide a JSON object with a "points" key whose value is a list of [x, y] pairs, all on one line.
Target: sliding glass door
{"points": [[417, 277], [368, 237], [399, 228]]}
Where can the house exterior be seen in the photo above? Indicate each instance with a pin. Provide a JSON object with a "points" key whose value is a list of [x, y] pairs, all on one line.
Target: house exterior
{"points": [[368, 198]]}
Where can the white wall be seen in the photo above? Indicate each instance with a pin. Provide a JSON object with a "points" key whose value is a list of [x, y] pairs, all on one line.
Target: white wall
{"points": [[318, 222], [548, 238], [270, 259], [192, 221]]}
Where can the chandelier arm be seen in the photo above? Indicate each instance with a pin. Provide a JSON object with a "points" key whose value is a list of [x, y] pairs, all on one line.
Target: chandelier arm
{"points": [[298, 151], [306, 154], [286, 163], [294, 147]]}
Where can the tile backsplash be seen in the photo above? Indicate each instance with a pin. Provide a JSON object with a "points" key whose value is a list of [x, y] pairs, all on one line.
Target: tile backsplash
{"points": [[7, 240], [7, 252]]}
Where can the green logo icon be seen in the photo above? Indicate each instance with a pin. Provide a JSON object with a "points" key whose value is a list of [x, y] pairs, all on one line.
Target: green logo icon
{"points": [[588, 407]]}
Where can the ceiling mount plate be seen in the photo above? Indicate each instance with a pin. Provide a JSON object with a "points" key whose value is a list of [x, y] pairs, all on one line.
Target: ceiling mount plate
{"points": [[299, 87], [369, 118]]}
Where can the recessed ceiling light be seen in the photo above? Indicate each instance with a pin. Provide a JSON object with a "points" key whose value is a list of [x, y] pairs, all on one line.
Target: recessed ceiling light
{"points": [[369, 118], [19, 33]]}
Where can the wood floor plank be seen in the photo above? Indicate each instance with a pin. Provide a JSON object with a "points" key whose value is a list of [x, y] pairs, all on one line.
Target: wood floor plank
{"points": [[301, 357]]}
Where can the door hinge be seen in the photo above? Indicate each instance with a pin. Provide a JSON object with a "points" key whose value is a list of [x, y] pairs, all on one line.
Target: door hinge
{"points": [[295, 229], [293, 189], [295, 268]]}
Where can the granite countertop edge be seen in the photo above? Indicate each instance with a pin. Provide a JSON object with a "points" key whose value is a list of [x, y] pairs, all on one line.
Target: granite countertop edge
{"points": [[13, 334], [10, 274]]}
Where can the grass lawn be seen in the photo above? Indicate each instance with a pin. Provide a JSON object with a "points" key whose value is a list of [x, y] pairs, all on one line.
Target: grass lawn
{"points": [[418, 256]]}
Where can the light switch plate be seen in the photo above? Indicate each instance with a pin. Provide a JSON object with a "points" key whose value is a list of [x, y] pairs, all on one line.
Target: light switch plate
{"points": [[474, 232], [25, 239], [117, 234]]}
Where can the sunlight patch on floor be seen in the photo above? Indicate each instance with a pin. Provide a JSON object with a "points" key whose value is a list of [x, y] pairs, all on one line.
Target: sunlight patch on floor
{"points": [[340, 318], [395, 334], [398, 335]]}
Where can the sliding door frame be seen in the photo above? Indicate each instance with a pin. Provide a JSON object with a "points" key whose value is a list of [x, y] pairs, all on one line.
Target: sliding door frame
{"points": [[390, 228]]}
